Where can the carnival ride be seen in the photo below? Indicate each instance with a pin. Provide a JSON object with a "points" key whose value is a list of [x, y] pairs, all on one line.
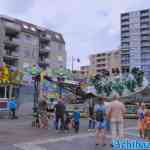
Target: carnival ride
{"points": [[10, 81], [53, 83]]}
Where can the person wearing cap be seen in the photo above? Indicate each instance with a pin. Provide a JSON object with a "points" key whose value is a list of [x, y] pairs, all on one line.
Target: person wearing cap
{"points": [[116, 116]]}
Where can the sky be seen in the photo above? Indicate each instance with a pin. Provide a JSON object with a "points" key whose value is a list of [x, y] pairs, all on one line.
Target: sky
{"points": [[88, 26]]}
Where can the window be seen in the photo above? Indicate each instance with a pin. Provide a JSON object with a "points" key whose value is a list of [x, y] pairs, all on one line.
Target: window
{"points": [[48, 35], [33, 29], [27, 53], [57, 36], [28, 36], [25, 26]]}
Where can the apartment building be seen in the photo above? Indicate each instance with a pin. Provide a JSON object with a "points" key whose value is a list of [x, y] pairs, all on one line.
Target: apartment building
{"points": [[114, 61], [85, 70], [109, 61], [23, 44], [135, 41]]}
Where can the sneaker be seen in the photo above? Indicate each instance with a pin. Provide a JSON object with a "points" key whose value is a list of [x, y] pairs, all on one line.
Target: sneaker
{"points": [[89, 130]]}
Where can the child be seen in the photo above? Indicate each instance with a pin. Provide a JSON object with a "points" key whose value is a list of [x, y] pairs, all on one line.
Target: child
{"points": [[12, 104], [147, 125], [76, 118], [68, 122]]}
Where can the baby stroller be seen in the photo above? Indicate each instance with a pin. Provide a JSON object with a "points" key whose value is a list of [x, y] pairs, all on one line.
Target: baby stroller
{"points": [[36, 120]]}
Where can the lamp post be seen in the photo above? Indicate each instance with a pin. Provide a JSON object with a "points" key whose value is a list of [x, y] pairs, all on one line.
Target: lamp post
{"points": [[36, 92]]}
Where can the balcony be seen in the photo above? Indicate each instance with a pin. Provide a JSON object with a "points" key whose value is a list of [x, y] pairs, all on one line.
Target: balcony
{"points": [[145, 39], [125, 23], [125, 34], [45, 50], [124, 51], [125, 40], [145, 47], [12, 27], [145, 12], [43, 63], [145, 21], [124, 14], [45, 38], [11, 54], [11, 60], [146, 31], [125, 29], [145, 44], [11, 43]]}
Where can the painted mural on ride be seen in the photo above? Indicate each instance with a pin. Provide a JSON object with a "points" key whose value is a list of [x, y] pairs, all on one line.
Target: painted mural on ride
{"points": [[48, 79], [10, 74], [122, 84]]}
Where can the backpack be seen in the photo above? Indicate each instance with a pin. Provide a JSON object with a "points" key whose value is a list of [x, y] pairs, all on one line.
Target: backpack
{"points": [[100, 115]]}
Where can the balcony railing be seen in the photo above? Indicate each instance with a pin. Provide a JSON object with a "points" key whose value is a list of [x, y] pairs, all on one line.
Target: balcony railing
{"points": [[45, 38], [145, 31], [145, 44], [12, 26], [11, 54]]}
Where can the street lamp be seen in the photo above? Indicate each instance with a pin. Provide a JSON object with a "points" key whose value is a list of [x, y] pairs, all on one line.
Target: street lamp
{"points": [[36, 92]]}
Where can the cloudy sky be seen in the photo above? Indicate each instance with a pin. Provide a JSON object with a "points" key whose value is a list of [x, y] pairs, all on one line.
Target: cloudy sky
{"points": [[88, 26]]}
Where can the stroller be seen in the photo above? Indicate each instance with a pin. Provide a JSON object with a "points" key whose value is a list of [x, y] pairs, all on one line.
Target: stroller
{"points": [[36, 120]]}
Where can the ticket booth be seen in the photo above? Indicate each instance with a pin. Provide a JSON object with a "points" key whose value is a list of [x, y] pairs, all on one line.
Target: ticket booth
{"points": [[7, 91]]}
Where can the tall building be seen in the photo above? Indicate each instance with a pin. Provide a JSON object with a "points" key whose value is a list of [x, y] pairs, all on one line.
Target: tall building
{"points": [[114, 61], [135, 41], [23, 44], [109, 61]]}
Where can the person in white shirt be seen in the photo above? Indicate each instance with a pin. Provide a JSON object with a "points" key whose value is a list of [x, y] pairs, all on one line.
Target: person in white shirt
{"points": [[116, 115]]}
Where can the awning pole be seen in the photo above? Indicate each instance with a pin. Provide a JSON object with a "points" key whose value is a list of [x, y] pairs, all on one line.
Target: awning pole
{"points": [[5, 94]]}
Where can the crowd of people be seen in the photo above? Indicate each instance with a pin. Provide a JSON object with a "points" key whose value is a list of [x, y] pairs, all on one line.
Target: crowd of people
{"points": [[62, 120], [104, 118]]}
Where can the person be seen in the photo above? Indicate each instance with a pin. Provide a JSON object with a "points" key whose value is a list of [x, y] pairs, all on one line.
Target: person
{"points": [[12, 104], [59, 114], [140, 115], [43, 114], [100, 122], [91, 113], [147, 125], [76, 118], [107, 118], [116, 115], [68, 121]]}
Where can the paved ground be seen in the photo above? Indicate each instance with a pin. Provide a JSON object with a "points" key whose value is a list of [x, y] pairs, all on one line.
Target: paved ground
{"points": [[19, 135]]}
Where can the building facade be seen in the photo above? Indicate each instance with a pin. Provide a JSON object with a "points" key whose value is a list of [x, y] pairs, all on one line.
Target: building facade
{"points": [[23, 44], [135, 41], [109, 61], [85, 70]]}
